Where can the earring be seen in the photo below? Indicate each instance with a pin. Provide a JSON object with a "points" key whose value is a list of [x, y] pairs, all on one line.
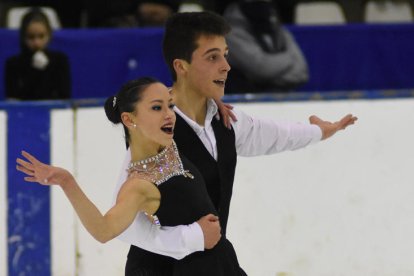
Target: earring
{"points": [[134, 125]]}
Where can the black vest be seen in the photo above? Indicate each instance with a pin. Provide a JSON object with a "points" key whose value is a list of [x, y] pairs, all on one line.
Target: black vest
{"points": [[218, 175]]}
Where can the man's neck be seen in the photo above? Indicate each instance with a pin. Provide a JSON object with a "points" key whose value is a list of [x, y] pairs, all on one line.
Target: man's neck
{"points": [[190, 103]]}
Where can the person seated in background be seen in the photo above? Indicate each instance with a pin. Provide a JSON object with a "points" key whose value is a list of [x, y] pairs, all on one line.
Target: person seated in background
{"points": [[37, 73], [264, 56], [130, 13], [156, 13], [286, 8]]}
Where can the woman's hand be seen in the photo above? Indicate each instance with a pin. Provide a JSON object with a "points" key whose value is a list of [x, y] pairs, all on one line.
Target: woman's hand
{"points": [[226, 113], [37, 171]]}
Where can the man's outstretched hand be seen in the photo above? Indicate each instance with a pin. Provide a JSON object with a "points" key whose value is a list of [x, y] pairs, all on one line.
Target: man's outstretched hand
{"points": [[329, 128]]}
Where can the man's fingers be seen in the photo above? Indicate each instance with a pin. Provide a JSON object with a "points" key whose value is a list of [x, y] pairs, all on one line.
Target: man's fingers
{"points": [[314, 120], [212, 217], [347, 120]]}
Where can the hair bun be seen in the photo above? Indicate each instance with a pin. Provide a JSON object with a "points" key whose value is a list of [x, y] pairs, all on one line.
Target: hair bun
{"points": [[112, 110]]}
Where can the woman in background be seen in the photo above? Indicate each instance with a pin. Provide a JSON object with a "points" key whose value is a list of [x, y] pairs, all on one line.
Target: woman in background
{"points": [[37, 73]]}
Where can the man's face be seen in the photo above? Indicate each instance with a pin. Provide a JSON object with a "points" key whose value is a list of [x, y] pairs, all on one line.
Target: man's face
{"points": [[207, 72]]}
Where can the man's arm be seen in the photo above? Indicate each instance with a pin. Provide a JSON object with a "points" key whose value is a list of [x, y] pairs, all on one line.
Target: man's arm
{"points": [[256, 136], [176, 242]]}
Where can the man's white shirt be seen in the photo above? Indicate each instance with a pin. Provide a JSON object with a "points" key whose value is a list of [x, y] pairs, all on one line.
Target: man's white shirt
{"points": [[253, 137]]}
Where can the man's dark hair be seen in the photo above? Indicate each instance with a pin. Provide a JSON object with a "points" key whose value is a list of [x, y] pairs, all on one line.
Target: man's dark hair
{"points": [[182, 31]]}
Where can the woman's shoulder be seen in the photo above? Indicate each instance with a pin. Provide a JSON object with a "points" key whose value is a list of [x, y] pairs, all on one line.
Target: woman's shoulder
{"points": [[138, 183], [137, 187]]}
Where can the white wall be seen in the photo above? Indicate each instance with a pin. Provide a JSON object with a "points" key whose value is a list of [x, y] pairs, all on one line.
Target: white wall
{"points": [[3, 194], [63, 218], [341, 207], [100, 151]]}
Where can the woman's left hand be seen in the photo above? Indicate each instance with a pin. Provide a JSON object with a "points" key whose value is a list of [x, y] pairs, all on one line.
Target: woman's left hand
{"points": [[226, 113], [37, 171]]}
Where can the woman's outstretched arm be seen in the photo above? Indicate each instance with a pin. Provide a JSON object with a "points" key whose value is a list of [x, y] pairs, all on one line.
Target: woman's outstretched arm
{"points": [[135, 195]]}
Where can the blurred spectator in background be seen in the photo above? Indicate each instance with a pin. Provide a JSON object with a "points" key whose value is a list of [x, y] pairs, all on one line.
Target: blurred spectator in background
{"points": [[129, 13], [264, 56], [286, 8], [37, 73], [155, 13], [69, 12]]}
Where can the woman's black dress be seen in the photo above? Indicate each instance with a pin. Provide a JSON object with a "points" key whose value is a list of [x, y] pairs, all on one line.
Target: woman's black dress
{"points": [[184, 200]]}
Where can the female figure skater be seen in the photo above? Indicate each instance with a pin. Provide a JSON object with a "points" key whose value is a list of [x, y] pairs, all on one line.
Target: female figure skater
{"points": [[161, 182]]}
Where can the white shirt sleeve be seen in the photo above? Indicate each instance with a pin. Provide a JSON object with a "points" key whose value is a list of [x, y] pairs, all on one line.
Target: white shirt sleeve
{"points": [[176, 242], [256, 136]]}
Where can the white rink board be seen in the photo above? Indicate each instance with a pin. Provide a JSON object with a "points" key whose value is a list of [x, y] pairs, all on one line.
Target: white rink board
{"points": [[63, 217], [341, 207], [3, 193], [100, 151]]}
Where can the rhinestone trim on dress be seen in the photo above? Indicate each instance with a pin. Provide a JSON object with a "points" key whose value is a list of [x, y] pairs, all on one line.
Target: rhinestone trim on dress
{"points": [[166, 164]]}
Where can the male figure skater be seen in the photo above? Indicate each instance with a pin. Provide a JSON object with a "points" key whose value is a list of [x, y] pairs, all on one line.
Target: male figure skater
{"points": [[195, 50]]}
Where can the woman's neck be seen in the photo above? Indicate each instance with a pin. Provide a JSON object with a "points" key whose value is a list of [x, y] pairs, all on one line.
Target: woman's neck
{"points": [[143, 151]]}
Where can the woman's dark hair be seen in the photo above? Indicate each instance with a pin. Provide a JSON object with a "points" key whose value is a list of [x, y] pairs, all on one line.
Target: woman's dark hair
{"points": [[34, 15], [125, 100], [182, 30]]}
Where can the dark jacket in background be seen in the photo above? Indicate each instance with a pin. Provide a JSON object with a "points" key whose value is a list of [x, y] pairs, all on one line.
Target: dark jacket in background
{"points": [[24, 82], [264, 56]]}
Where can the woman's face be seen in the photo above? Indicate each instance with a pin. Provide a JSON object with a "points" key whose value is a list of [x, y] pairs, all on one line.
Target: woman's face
{"points": [[154, 115], [37, 36]]}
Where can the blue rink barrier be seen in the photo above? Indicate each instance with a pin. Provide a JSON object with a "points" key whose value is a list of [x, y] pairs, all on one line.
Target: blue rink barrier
{"points": [[28, 216], [28, 128], [346, 58]]}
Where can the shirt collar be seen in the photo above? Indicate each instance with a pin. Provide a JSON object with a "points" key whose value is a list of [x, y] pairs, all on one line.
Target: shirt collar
{"points": [[212, 111]]}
